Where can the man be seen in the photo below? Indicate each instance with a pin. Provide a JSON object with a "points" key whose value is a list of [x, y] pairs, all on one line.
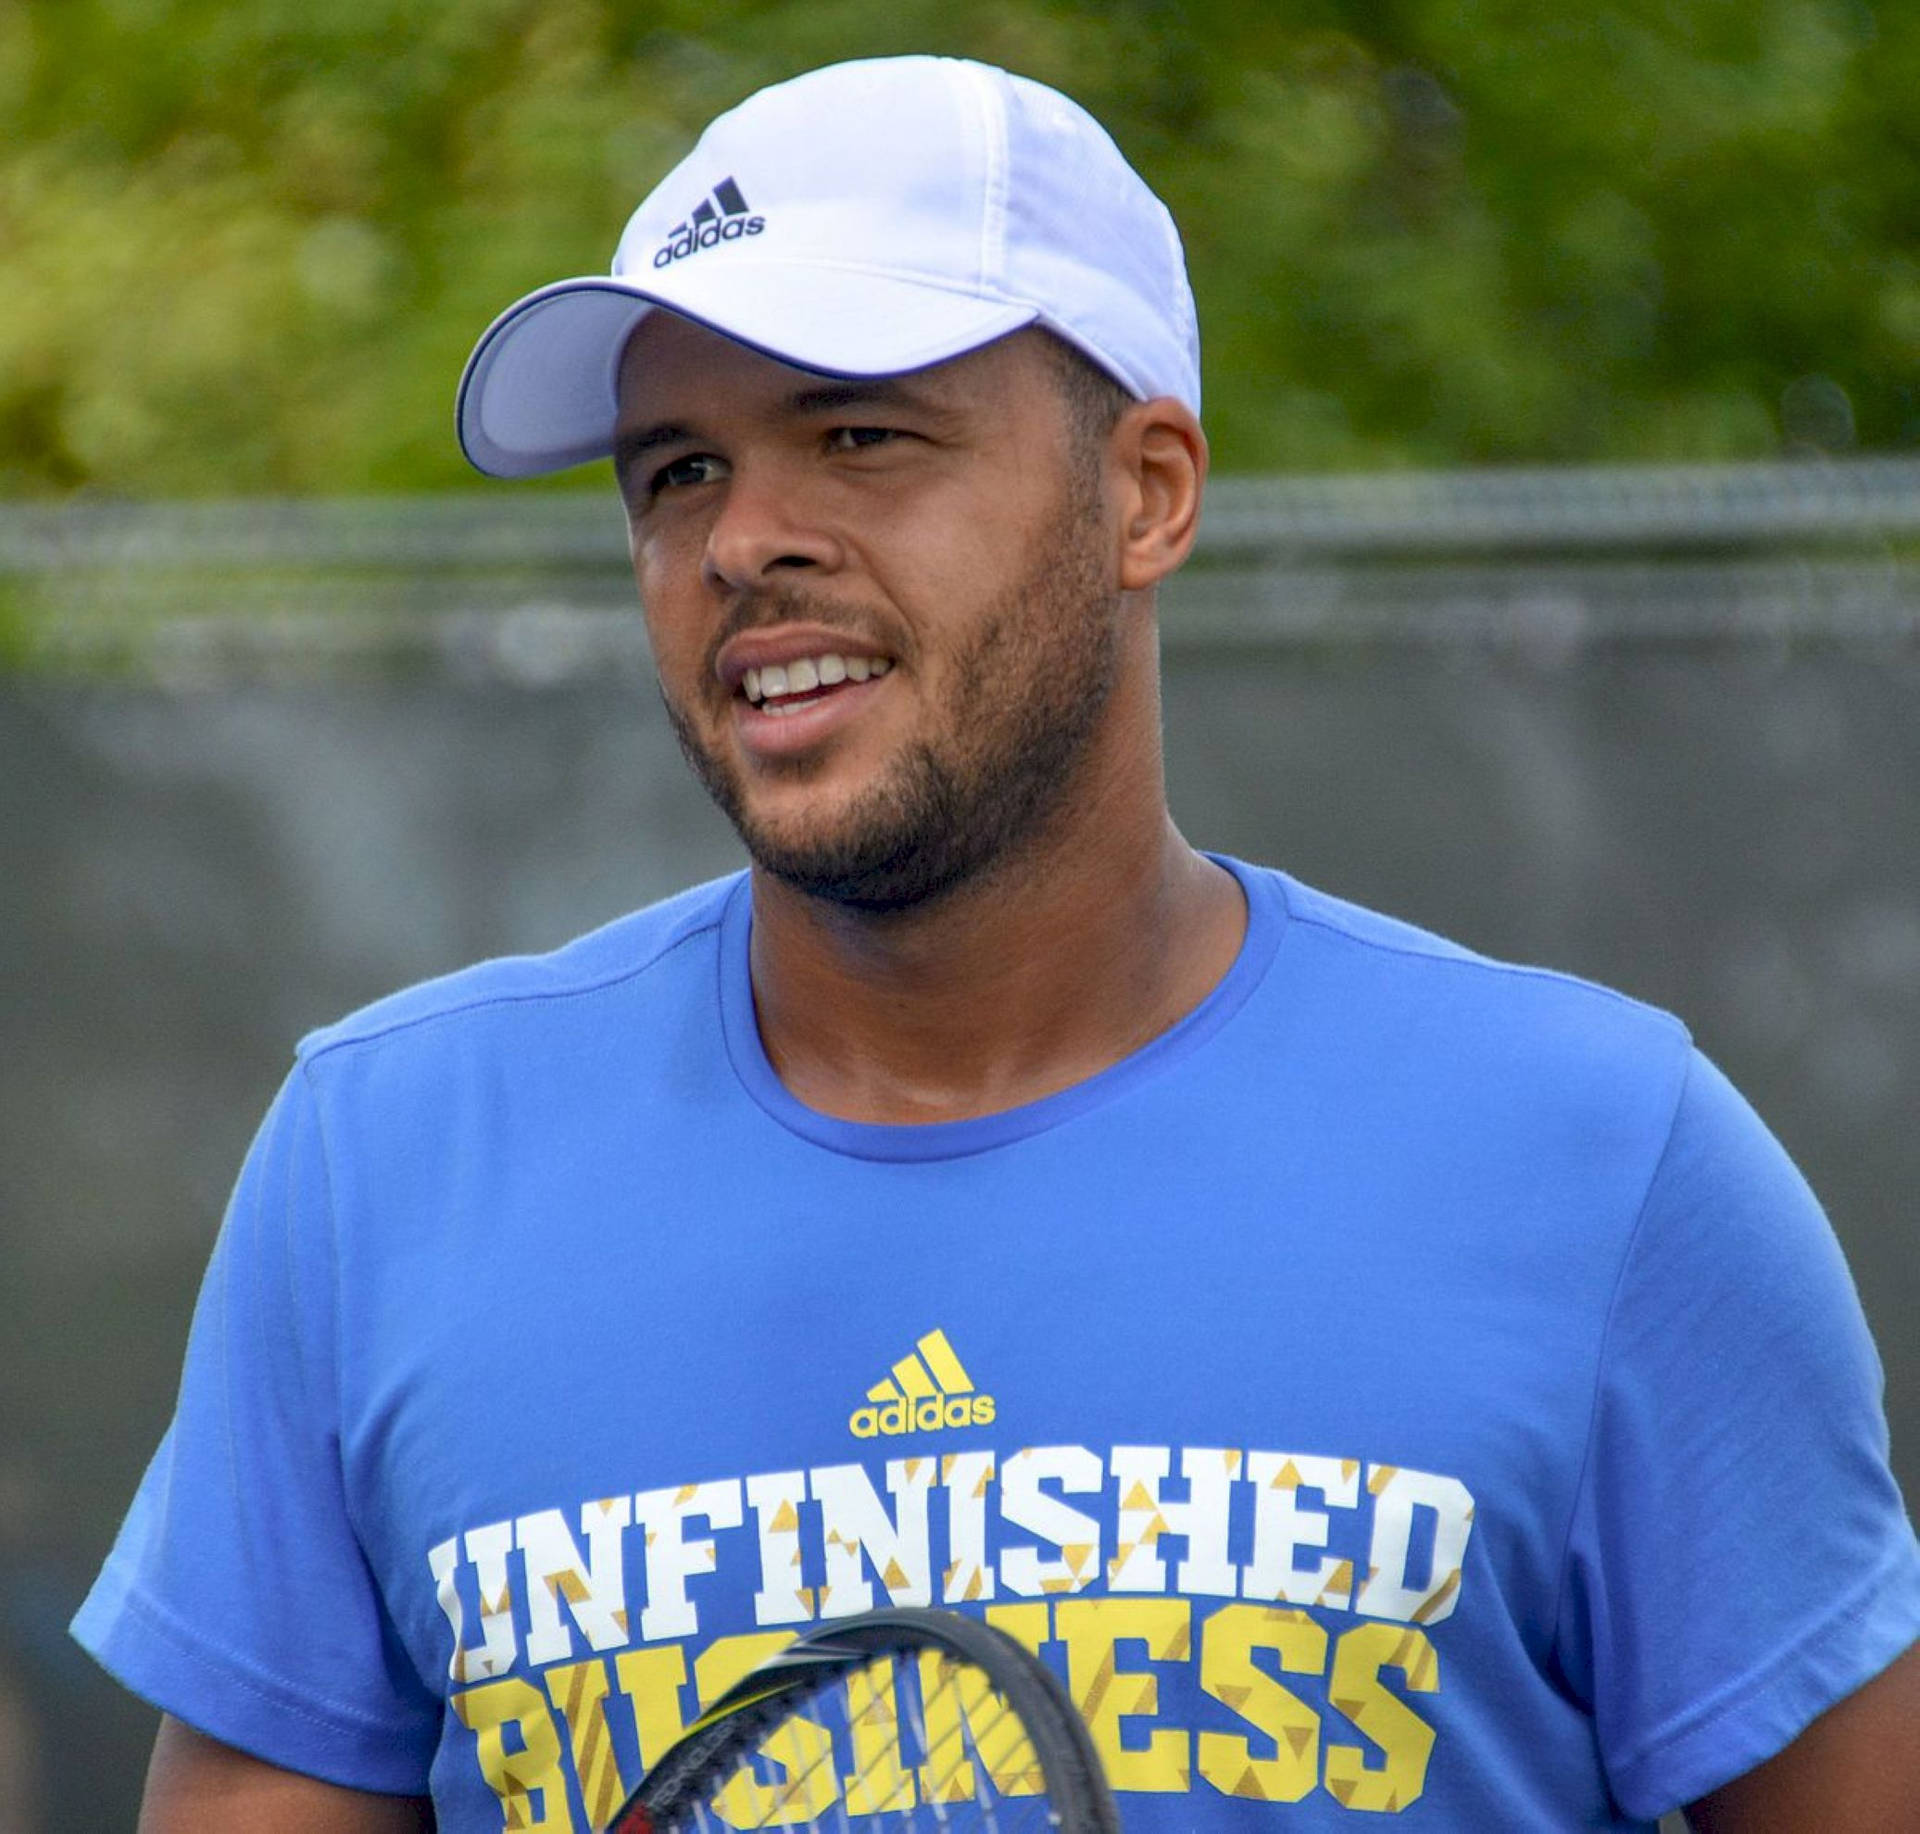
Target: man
{"points": [[1382, 1381]]}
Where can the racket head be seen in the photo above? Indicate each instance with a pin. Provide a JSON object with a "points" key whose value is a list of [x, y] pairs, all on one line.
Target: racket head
{"points": [[901, 1719]]}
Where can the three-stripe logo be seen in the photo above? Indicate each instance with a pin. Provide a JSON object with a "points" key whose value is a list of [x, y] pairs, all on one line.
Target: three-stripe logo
{"points": [[722, 216], [926, 1390]]}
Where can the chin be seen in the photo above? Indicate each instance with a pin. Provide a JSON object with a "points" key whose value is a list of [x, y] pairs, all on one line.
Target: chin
{"points": [[890, 854], [874, 888]]}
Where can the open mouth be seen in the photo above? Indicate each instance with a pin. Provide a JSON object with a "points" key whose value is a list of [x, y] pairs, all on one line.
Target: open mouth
{"points": [[786, 687]]}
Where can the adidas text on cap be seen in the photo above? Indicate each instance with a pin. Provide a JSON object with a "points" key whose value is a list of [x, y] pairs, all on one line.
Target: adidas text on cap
{"points": [[862, 220]]}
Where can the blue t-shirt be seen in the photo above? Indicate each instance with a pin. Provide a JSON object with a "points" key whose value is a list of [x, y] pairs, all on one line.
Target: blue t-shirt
{"points": [[1411, 1384]]}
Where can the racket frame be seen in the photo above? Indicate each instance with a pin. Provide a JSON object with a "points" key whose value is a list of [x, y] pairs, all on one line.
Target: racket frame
{"points": [[699, 1761]]}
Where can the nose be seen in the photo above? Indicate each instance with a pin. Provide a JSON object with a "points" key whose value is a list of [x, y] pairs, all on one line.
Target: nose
{"points": [[765, 525]]}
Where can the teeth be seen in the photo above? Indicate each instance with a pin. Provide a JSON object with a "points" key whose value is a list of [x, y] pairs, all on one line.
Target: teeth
{"points": [[765, 685]]}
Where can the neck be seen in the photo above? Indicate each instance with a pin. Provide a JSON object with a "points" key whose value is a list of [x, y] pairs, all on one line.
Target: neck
{"points": [[1098, 933]]}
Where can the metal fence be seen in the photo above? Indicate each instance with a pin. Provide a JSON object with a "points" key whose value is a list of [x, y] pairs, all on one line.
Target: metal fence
{"points": [[261, 762], [514, 583]]}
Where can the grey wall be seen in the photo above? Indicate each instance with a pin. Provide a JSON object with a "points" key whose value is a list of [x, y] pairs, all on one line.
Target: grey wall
{"points": [[269, 761], [188, 879]]}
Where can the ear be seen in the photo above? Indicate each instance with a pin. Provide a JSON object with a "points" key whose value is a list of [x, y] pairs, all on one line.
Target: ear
{"points": [[1161, 456]]}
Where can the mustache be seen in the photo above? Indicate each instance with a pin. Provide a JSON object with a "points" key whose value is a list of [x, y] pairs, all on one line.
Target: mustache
{"points": [[762, 608]]}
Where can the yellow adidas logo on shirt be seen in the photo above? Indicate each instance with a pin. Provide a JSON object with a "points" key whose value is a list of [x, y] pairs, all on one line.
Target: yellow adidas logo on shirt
{"points": [[927, 1390]]}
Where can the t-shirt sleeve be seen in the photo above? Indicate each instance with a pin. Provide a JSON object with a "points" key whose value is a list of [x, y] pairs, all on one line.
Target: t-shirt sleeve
{"points": [[1740, 1558], [237, 1597]]}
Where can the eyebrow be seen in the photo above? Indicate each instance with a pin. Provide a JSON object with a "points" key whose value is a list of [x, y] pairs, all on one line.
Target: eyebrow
{"points": [[854, 391], [635, 443]]}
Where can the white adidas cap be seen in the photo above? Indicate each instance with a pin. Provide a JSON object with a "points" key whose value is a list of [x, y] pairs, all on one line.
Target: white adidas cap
{"points": [[862, 220]]}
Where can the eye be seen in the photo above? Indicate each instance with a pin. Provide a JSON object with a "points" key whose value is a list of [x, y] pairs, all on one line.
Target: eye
{"points": [[854, 439], [694, 468]]}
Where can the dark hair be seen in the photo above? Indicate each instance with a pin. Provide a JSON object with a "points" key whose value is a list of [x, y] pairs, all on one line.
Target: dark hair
{"points": [[1094, 400]]}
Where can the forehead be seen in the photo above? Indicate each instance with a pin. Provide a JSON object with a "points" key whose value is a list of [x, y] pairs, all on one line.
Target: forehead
{"points": [[673, 365]]}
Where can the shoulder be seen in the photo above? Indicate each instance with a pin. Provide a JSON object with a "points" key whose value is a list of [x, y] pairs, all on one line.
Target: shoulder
{"points": [[1417, 993], [644, 956]]}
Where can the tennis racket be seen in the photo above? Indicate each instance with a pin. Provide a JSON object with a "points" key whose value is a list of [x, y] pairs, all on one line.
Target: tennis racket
{"points": [[891, 1721]]}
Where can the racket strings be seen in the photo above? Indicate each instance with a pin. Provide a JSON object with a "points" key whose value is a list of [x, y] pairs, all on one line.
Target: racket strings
{"points": [[795, 1789], [938, 1794], [977, 1746], [936, 1798], [985, 1796], [986, 1747]]}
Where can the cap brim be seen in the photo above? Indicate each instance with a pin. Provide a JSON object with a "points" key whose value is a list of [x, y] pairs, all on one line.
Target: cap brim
{"points": [[540, 391]]}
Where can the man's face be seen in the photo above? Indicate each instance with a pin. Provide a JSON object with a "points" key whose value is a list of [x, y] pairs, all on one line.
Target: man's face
{"points": [[884, 614]]}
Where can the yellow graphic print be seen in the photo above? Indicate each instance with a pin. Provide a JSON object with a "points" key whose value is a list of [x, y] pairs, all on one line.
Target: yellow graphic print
{"points": [[1229, 1673], [1405, 1739], [1107, 1694], [924, 1392], [878, 1785], [527, 1775], [1258, 1626], [962, 1713], [578, 1691]]}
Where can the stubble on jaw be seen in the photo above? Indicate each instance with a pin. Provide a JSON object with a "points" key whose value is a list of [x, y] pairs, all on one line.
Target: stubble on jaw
{"points": [[1030, 688]]}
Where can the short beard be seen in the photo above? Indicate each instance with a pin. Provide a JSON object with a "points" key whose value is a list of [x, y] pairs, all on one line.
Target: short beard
{"points": [[960, 805]]}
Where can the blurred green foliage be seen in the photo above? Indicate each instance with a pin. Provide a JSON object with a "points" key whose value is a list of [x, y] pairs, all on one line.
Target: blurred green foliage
{"points": [[247, 243]]}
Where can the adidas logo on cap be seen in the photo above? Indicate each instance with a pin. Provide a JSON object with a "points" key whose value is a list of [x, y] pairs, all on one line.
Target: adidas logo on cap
{"points": [[926, 1391], [723, 217]]}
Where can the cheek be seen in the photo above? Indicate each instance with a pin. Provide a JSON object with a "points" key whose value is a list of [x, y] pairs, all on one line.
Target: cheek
{"points": [[676, 611], [937, 566], [656, 562], [679, 658]]}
